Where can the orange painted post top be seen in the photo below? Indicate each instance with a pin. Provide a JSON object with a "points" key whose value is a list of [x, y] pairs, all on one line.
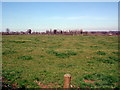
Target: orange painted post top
{"points": [[67, 79]]}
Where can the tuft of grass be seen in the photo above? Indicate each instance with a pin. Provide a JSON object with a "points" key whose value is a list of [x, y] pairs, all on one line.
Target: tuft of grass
{"points": [[90, 62], [96, 47], [23, 84], [65, 65], [61, 54], [71, 53], [89, 77], [101, 79], [18, 41], [86, 85], [106, 61], [116, 53], [100, 53], [25, 57], [41, 56], [109, 61], [8, 52], [114, 58]]}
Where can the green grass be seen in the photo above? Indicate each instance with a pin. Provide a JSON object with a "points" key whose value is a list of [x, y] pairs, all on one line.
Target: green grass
{"points": [[27, 58], [8, 52], [62, 54], [102, 80], [101, 53]]}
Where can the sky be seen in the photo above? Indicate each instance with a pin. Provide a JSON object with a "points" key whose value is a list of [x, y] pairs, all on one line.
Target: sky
{"points": [[42, 16]]}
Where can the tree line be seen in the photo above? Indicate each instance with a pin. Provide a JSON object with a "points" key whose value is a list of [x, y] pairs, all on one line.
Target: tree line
{"points": [[59, 32]]}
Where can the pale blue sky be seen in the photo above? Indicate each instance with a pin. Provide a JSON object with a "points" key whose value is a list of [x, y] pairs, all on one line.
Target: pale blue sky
{"points": [[39, 16]]}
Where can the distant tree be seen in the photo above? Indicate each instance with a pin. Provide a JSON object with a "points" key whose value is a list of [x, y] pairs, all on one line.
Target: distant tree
{"points": [[29, 31], [47, 31], [55, 31], [81, 31], [61, 32], [8, 30]]}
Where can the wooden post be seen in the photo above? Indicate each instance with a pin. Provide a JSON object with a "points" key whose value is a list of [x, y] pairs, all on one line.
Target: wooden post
{"points": [[67, 79]]}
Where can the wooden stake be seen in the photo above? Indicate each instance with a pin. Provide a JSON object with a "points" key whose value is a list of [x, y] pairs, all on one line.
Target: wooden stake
{"points": [[67, 79]]}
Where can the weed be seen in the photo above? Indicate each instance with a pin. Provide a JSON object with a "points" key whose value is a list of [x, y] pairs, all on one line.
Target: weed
{"points": [[65, 65], [89, 77], [116, 53], [95, 47], [25, 57], [91, 62], [57, 46], [71, 53], [114, 58], [11, 75], [23, 84], [86, 85], [61, 54], [18, 41], [108, 61], [36, 78], [105, 60], [102, 79], [8, 52], [101, 53], [41, 56]]}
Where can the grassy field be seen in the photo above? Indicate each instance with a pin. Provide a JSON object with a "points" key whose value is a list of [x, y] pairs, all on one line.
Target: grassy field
{"points": [[39, 61]]}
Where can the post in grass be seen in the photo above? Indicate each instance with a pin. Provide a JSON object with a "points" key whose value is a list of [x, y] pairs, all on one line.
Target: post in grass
{"points": [[67, 79]]}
